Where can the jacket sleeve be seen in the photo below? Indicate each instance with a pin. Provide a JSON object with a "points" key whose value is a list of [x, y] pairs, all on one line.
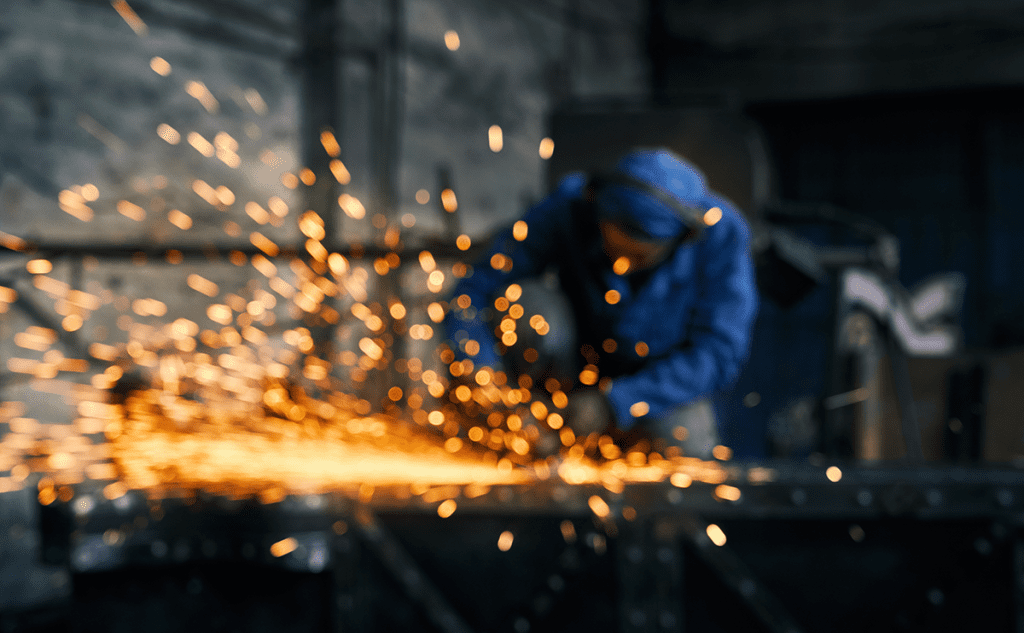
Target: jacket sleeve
{"points": [[545, 222], [719, 332]]}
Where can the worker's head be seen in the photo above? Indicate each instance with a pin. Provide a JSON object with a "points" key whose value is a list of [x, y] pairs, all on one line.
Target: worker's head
{"points": [[651, 203]]}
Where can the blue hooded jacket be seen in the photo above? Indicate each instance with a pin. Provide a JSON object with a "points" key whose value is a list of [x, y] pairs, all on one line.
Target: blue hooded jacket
{"points": [[694, 311]]}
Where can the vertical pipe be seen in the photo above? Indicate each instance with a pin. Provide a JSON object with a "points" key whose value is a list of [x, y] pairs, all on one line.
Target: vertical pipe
{"points": [[321, 109], [387, 157], [320, 113]]}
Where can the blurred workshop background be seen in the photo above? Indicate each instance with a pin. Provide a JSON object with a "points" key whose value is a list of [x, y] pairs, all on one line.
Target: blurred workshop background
{"points": [[158, 158]]}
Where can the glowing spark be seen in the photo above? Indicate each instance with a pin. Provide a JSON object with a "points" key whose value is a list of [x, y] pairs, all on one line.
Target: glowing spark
{"points": [[131, 211], [427, 261], [283, 547], [201, 145], [547, 148], [494, 138], [451, 40], [198, 91], [728, 493], [50, 286], [371, 348], [337, 263], [149, 307], [639, 409], [446, 509], [598, 506], [115, 490], [277, 206], [641, 349], [448, 201], [256, 102], [716, 535], [463, 242], [352, 207], [130, 17], [723, 453], [520, 230], [513, 293], [834, 474], [257, 213], [612, 296], [621, 266], [713, 215], [203, 285], [103, 352], [179, 219], [219, 313], [317, 250], [330, 144], [499, 261], [589, 376], [73, 323], [435, 312], [160, 66], [168, 134], [36, 338], [39, 266], [307, 176], [264, 243], [539, 410], [340, 172], [227, 155], [312, 225], [505, 541], [681, 480], [422, 196], [12, 242], [90, 192]]}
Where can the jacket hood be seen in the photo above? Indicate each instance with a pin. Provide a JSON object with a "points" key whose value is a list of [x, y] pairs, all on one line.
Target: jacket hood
{"points": [[668, 172]]}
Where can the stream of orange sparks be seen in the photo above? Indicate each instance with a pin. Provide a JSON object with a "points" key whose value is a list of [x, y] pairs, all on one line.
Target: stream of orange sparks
{"points": [[220, 410]]}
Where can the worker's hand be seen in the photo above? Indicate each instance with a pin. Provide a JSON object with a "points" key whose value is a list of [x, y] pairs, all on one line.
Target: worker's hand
{"points": [[589, 412]]}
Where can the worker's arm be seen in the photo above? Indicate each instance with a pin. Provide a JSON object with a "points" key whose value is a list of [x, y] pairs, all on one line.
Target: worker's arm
{"points": [[546, 223], [719, 333]]}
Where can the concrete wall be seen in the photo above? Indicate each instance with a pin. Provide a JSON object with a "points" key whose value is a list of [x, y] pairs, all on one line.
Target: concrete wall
{"points": [[81, 104]]}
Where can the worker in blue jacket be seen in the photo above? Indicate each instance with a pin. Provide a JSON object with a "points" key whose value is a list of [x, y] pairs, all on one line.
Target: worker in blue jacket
{"points": [[657, 277]]}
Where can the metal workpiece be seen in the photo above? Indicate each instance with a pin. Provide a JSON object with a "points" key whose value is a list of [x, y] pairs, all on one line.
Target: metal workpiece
{"points": [[553, 556], [93, 532]]}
